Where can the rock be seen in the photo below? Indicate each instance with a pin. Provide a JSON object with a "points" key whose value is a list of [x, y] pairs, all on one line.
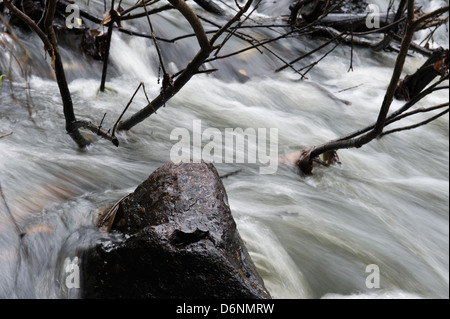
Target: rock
{"points": [[180, 241]]}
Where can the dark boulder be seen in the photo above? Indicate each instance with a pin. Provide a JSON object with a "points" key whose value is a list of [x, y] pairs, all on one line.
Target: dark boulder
{"points": [[180, 241]]}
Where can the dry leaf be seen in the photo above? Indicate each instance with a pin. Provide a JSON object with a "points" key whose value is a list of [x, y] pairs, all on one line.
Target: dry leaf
{"points": [[113, 16], [53, 59], [442, 65]]}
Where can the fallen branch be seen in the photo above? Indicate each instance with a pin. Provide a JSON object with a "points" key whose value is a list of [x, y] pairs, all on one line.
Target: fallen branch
{"points": [[305, 162], [111, 13], [206, 48], [97, 130], [51, 46], [5, 135]]}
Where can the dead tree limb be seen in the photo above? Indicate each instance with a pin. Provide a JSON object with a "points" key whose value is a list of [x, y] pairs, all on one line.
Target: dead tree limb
{"points": [[432, 88], [51, 46], [436, 65], [5, 135], [326, 43], [305, 162], [206, 48], [108, 45], [48, 37], [155, 42], [388, 36]]}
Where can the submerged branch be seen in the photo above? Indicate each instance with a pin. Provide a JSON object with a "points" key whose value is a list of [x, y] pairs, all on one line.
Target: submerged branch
{"points": [[7, 134], [206, 48], [305, 162], [97, 130]]}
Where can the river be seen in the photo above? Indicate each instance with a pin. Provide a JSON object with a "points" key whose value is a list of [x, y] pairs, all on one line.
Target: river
{"points": [[376, 226]]}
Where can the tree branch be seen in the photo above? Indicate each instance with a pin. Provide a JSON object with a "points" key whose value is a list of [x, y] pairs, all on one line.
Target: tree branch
{"points": [[307, 156], [51, 46], [195, 23], [206, 47], [410, 127]]}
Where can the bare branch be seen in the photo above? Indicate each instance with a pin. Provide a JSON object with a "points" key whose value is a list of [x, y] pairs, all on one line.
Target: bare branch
{"points": [[191, 69], [230, 22], [28, 21], [158, 50], [305, 160], [108, 45], [97, 130], [5, 135], [430, 15], [410, 127], [195, 23], [310, 52]]}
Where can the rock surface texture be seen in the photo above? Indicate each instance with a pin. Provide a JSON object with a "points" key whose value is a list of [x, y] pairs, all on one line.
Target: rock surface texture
{"points": [[180, 241]]}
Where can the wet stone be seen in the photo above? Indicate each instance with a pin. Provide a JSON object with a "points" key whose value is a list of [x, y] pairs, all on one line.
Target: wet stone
{"points": [[180, 241]]}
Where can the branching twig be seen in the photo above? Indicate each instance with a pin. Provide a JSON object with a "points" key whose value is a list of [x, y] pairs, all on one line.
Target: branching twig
{"points": [[305, 160], [410, 127], [129, 103], [206, 47], [97, 130], [310, 52]]}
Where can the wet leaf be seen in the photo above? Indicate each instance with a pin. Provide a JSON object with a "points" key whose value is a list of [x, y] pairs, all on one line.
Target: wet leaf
{"points": [[330, 158], [53, 59], [106, 219], [304, 162], [113, 16], [1, 78], [442, 66]]}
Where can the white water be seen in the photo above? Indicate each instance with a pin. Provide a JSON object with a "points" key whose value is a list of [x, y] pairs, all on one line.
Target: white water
{"points": [[387, 204]]}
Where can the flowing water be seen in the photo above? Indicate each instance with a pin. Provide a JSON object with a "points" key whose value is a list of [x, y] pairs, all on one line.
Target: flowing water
{"points": [[383, 211]]}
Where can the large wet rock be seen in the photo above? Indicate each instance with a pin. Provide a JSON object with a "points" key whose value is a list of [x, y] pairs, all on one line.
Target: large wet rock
{"points": [[180, 241]]}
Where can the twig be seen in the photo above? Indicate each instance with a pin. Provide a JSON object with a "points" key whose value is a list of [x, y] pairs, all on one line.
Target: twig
{"points": [[416, 111], [143, 14], [410, 127], [317, 62], [5, 135], [158, 50], [310, 52], [16, 225], [97, 130], [206, 47], [350, 88], [230, 34], [305, 160], [129, 103], [231, 173], [108, 45], [351, 49]]}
